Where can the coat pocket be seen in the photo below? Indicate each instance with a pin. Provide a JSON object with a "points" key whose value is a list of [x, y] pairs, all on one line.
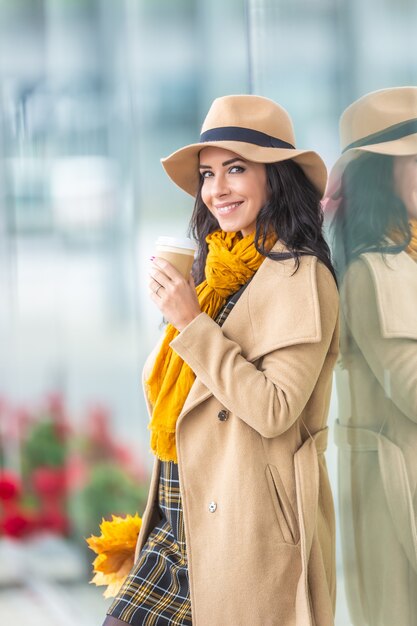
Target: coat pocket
{"points": [[282, 505]]}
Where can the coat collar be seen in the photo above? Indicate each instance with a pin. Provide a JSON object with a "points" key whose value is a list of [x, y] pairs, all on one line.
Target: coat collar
{"points": [[290, 315], [395, 281]]}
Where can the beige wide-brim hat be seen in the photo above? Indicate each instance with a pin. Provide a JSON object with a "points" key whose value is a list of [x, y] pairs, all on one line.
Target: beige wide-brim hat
{"points": [[381, 122], [255, 128]]}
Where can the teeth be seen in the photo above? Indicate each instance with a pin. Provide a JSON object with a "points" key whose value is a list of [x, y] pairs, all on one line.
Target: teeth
{"points": [[229, 207]]}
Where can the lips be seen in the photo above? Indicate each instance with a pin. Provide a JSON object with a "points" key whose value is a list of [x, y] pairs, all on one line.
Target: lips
{"points": [[224, 209]]}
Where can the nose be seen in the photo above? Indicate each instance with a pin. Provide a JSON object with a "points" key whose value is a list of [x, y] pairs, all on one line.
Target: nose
{"points": [[220, 186]]}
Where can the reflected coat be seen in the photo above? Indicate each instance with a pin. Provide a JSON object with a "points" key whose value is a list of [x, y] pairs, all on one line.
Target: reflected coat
{"points": [[377, 439], [258, 510]]}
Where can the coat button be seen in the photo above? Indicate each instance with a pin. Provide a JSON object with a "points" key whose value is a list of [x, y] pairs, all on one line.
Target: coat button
{"points": [[212, 507], [223, 415]]}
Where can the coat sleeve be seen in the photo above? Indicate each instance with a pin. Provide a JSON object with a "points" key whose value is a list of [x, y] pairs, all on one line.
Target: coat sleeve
{"points": [[393, 361], [268, 395]]}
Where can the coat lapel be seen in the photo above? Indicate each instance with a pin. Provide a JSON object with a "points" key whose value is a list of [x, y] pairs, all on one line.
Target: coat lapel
{"points": [[395, 280], [257, 328]]}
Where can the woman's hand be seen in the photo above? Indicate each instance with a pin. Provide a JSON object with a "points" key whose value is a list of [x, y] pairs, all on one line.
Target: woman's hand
{"points": [[175, 296]]}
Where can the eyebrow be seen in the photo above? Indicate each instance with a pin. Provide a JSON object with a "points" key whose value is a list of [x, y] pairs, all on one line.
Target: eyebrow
{"points": [[223, 164]]}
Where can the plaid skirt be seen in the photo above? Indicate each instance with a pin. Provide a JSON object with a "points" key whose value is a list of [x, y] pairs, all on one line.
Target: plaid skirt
{"points": [[156, 592]]}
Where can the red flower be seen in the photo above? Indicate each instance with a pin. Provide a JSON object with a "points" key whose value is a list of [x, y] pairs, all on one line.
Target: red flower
{"points": [[15, 422], [53, 520], [10, 486], [55, 404], [123, 455], [77, 471], [56, 409], [49, 481], [98, 427], [16, 525]]}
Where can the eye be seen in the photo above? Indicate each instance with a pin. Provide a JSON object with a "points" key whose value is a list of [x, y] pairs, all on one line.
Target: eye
{"points": [[206, 174], [236, 169]]}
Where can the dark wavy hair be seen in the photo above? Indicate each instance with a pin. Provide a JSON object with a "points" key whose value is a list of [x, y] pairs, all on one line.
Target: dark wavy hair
{"points": [[293, 212], [369, 210]]}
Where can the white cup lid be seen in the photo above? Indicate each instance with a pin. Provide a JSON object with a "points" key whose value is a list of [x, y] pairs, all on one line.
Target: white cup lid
{"points": [[177, 242]]}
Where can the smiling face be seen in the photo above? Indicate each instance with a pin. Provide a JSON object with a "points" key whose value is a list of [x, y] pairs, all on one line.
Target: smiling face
{"points": [[234, 190], [405, 182]]}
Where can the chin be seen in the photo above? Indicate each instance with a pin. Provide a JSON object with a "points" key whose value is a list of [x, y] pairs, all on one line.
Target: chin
{"points": [[228, 229]]}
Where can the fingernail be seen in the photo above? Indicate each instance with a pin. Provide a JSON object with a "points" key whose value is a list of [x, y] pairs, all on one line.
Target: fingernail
{"points": [[151, 258]]}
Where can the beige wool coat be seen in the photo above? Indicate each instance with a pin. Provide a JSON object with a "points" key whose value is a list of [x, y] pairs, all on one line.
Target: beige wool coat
{"points": [[377, 439], [258, 510]]}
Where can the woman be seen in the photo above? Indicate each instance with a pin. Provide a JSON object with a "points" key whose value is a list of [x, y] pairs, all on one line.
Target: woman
{"points": [[238, 391], [375, 228]]}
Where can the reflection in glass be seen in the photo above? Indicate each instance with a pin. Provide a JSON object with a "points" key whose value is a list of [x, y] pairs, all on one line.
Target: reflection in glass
{"points": [[374, 185]]}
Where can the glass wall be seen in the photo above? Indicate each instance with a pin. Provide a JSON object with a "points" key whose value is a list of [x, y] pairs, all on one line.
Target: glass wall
{"points": [[92, 94], [316, 58]]}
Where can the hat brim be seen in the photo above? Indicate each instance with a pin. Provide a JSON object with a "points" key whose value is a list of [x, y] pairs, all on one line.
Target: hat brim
{"points": [[405, 146], [182, 166]]}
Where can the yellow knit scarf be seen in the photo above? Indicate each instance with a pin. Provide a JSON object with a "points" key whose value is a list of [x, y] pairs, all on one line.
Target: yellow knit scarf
{"points": [[411, 249], [231, 262]]}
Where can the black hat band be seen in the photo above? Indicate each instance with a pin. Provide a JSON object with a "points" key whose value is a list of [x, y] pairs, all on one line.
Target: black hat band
{"points": [[248, 135], [397, 131]]}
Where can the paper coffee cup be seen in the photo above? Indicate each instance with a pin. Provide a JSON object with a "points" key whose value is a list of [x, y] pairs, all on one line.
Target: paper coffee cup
{"points": [[177, 251]]}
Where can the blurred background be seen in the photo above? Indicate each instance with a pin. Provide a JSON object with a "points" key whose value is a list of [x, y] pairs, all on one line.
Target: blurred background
{"points": [[92, 94]]}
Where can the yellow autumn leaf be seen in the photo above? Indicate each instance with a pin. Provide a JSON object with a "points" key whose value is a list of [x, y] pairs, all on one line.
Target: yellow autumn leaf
{"points": [[115, 549]]}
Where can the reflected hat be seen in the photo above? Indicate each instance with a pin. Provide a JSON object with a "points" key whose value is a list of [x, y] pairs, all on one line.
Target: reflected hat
{"points": [[253, 127], [381, 122]]}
